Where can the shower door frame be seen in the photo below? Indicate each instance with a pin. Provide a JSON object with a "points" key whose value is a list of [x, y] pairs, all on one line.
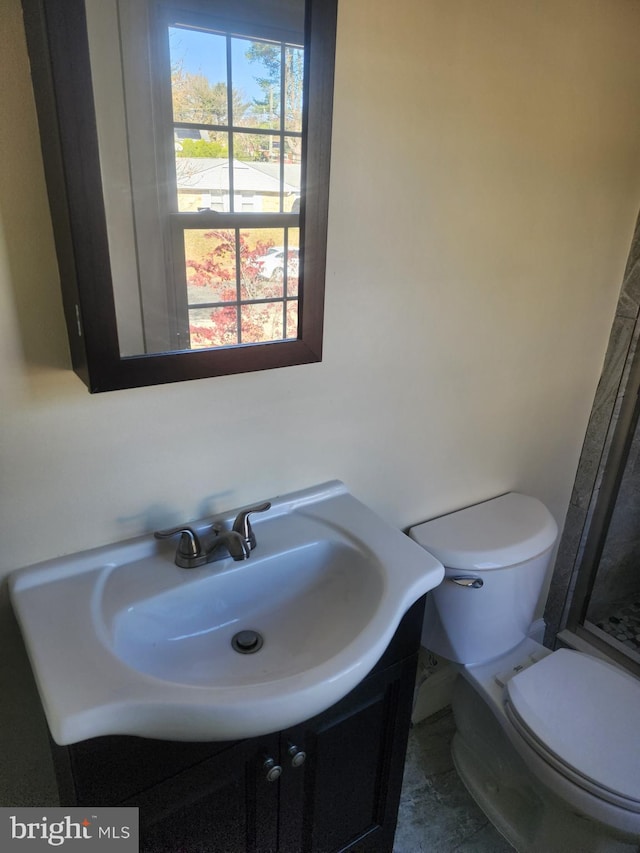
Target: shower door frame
{"points": [[598, 528], [608, 437]]}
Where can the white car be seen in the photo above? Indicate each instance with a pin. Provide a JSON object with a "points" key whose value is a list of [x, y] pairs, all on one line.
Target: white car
{"points": [[272, 263]]}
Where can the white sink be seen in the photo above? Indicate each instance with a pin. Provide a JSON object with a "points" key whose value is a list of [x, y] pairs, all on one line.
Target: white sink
{"points": [[122, 641]]}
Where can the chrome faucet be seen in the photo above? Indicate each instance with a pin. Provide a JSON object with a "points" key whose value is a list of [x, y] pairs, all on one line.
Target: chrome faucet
{"points": [[243, 526], [236, 543]]}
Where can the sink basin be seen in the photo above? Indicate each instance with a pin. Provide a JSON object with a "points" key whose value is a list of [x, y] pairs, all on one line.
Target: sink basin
{"points": [[122, 641], [184, 635]]}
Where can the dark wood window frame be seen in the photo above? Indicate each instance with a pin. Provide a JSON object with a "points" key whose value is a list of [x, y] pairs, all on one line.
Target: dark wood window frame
{"points": [[59, 53]]}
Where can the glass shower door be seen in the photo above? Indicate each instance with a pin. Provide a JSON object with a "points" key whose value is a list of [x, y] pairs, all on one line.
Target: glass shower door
{"points": [[613, 604]]}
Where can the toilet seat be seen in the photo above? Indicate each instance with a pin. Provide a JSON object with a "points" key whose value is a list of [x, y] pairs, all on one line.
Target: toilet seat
{"points": [[579, 714]]}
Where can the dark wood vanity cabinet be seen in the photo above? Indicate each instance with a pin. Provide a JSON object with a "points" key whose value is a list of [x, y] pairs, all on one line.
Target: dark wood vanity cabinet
{"points": [[343, 795], [347, 792]]}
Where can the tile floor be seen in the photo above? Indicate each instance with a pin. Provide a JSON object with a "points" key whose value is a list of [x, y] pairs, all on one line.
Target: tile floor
{"points": [[623, 622], [437, 815]]}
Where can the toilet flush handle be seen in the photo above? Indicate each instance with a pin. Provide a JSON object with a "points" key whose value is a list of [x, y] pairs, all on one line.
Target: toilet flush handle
{"points": [[467, 581]]}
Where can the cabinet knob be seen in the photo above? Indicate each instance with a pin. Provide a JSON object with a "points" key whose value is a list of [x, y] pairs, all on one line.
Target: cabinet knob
{"points": [[298, 756], [273, 770]]}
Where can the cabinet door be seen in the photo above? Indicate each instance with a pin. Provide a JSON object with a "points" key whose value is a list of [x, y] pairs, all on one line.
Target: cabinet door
{"points": [[220, 805], [345, 795]]}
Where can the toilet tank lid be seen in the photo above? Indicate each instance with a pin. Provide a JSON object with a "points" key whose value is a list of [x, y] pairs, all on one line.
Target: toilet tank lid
{"points": [[494, 534]]}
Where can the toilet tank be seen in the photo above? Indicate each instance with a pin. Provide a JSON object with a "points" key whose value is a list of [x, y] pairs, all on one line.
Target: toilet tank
{"points": [[496, 555]]}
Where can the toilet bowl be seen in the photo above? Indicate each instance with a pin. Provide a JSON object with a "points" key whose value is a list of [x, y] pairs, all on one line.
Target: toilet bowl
{"points": [[546, 742]]}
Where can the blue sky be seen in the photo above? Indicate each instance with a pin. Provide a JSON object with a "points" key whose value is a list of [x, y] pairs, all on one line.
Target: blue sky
{"points": [[205, 53]]}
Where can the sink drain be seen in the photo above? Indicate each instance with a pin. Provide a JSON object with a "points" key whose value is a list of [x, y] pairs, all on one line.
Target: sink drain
{"points": [[247, 642]]}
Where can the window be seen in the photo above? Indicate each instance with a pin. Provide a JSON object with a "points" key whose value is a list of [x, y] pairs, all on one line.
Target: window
{"points": [[215, 192], [193, 141], [237, 126]]}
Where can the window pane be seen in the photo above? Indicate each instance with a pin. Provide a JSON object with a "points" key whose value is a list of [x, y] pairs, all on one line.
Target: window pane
{"points": [[292, 158], [293, 78], [293, 266], [200, 142], [292, 189], [261, 253], [213, 327], [256, 179], [292, 319], [198, 76], [211, 266], [203, 183], [257, 148], [261, 322], [255, 75]]}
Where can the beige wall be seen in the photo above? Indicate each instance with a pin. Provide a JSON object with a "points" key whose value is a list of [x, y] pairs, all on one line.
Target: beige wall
{"points": [[485, 183]]}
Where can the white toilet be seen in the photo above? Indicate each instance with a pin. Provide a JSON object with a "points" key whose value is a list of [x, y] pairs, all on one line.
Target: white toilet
{"points": [[548, 743]]}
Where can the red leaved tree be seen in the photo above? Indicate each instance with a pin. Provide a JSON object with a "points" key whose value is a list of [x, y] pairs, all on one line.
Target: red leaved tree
{"points": [[234, 271]]}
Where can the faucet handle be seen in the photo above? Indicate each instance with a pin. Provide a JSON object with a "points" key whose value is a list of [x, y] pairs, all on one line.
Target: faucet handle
{"points": [[242, 524], [189, 545]]}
